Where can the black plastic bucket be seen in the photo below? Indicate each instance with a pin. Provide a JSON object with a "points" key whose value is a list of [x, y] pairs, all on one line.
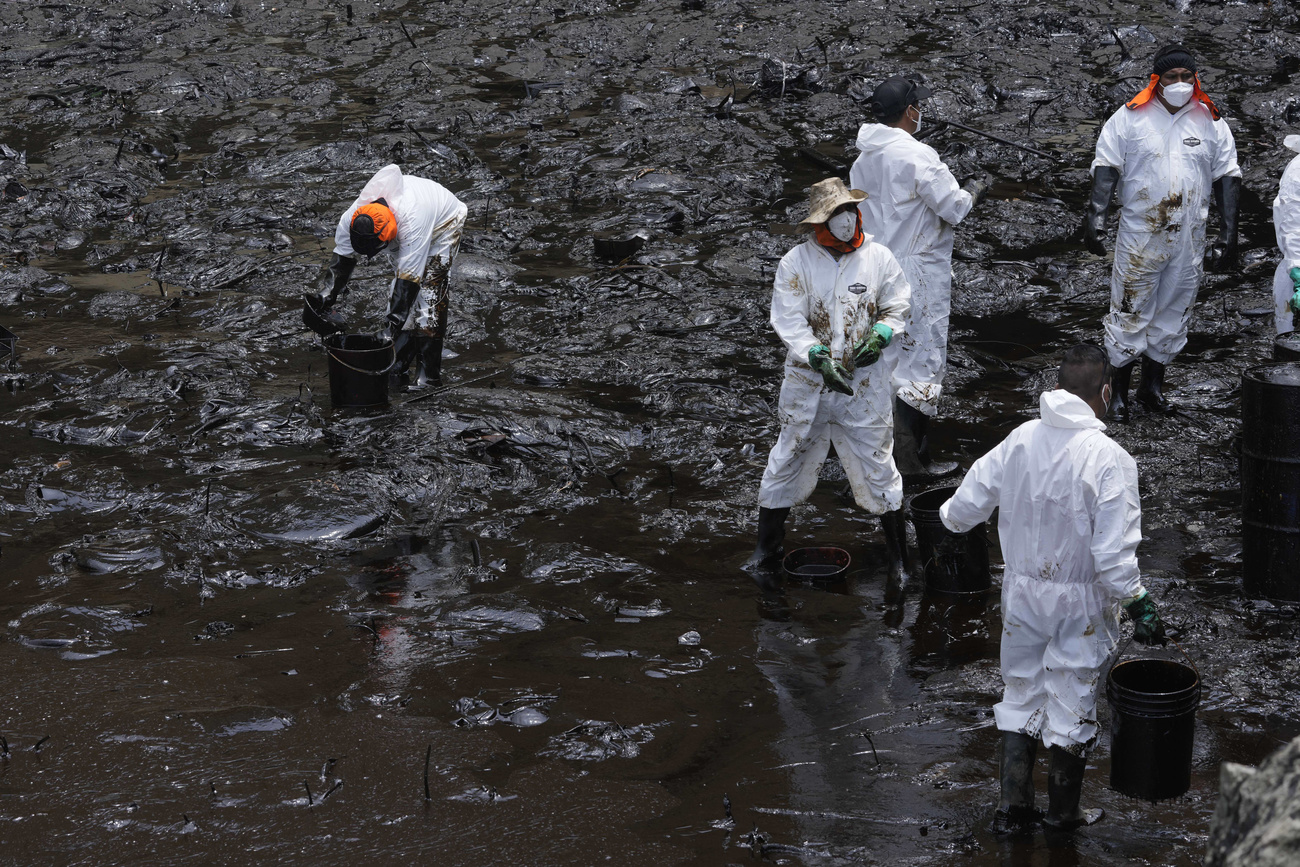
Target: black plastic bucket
{"points": [[1270, 481], [963, 570], [356, 365], [1153, 717], [817, 564], [1286, 347]]}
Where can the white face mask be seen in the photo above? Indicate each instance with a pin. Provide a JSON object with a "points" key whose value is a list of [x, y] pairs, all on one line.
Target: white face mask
{"points": [[918, 121], [844, 225], [1178, 94]]}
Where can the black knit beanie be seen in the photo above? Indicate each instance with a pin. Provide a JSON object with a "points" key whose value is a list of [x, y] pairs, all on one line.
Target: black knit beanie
{"points": [[1172, 57]]}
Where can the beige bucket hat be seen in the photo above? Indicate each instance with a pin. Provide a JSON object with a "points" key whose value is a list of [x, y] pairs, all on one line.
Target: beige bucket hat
{"points": [[825, 197]]}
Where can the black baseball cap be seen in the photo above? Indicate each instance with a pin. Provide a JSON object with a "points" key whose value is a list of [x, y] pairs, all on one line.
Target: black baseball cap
{"points": [[893, 95]]}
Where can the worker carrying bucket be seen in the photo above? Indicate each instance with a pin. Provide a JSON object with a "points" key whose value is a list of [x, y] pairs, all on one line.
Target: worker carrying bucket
{"points": [[1069, 519], [419, 223], [838, 301]]}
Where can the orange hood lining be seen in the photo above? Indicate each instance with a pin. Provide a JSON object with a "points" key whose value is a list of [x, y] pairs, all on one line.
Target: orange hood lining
{"points": [[1149, 93]]}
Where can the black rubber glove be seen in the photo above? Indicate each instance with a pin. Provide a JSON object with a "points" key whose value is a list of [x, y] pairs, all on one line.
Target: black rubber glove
{"points": [[1104, 181], [1227, 196], [399, 306], [978, 188], [339, 271]]}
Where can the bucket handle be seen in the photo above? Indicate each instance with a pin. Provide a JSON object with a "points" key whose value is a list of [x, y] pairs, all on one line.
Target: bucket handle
{"points": [[392, 348], [1128, 640]]}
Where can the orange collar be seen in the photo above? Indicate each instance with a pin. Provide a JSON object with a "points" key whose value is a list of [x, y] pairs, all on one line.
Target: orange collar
{"points": [[826, 239], [1149, 93]]}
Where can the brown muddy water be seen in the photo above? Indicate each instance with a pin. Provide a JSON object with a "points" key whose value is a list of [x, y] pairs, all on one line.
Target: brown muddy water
{"points": [[234, 621]]}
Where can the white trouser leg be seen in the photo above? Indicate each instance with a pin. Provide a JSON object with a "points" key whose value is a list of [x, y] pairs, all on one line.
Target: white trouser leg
{"points": [[1175, 297]]}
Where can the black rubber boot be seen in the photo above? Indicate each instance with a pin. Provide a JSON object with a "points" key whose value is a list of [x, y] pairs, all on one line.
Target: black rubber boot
{"points": [[1151, 391], [1120, 380], [1016, 806], [907, 447], [1064, 786], [404, 346], [428, 361], [771, 533], [895, 527], [912, 443], [400, 299]]}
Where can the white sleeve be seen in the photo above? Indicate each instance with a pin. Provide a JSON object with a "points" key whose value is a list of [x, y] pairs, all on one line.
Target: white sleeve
{"points": [[1111, 148], [343, 235], [1117, 527], [1286, 215], [1225, 152], [790, 308], [938, 188], [979, 493], [894, 299]]}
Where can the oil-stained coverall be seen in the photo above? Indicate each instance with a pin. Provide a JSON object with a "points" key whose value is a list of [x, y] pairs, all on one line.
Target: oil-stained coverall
{"points": [[1167, 164], [913, 201], [819, 299], [1069, 519]]}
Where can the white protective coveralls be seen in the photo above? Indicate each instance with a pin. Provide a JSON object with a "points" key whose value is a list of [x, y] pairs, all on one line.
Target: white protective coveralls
{"points": [[1070, 522], [1167, 164], [429, 224], [1286, 222], [912, 203], [819, 299]]}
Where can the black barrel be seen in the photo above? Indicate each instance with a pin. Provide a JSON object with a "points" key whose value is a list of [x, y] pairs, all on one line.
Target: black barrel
{"points": [[1286, 347], [817, 564], [964, 567], [1270, 481], [357, 362], [1153, 716]]}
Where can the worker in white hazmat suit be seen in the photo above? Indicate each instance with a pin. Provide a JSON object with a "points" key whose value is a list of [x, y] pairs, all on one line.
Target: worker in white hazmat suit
{"points": [[1286, 223], [1170, 149], [838, 304], [913, 201], [1069, 520], [418, 222]]}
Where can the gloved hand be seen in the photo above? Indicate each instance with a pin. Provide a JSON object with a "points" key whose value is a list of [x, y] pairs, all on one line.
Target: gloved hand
{"points": [[833, 373], [1294, 304], [978, 187], [1148, 628], [868, 350], [1227, 195], [1104, 181], [335, 283], [950, 545]]}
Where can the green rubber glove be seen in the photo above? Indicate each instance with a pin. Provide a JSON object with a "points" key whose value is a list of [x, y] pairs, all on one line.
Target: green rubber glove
{"points": [[1148, 628], [1294, 304], [833, 373], [867, 352]]}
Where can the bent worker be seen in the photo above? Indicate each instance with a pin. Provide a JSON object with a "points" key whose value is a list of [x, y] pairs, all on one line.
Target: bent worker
{"points": [[839, 301], [418, 223], [1171, 148], [1286, 223], [1070, 522], [913, 201]]}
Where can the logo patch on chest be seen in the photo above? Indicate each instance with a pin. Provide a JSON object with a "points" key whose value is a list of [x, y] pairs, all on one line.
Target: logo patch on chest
{"points": [[1191, 141], [857, 288]]}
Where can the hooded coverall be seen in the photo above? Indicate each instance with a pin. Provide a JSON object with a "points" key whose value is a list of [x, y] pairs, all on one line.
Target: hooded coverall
{"points": [[913, 201], [1167, 164], [1070, 521], [820, 299], [429, 224], [1286, 222]]}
